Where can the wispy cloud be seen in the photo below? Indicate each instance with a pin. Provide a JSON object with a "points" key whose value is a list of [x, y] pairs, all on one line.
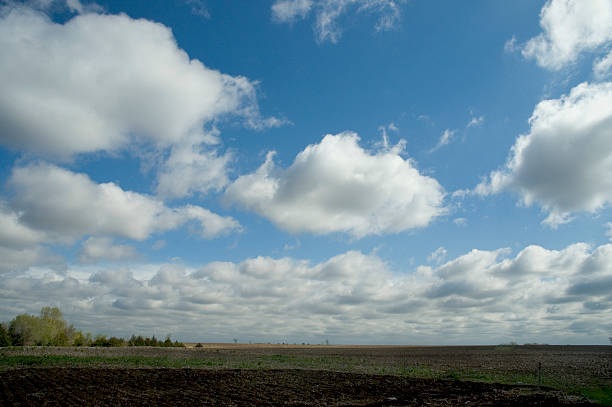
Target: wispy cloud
{"points": [[445, 139], [328, 12], [475, 121]]}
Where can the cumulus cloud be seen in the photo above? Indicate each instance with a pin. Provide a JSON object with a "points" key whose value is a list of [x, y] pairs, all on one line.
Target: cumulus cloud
{"points": [[97, 249], [110, 83], [570, 27], [564, 163], [265, 298], [328, 12], [337, 186], [99, 82], [64, 205], [22, 258], [191, 168], [13, 233]]}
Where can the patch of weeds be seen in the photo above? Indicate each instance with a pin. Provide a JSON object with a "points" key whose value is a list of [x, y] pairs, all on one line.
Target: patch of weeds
{"points": [[417, 371], [601, 395], [452, 375]]}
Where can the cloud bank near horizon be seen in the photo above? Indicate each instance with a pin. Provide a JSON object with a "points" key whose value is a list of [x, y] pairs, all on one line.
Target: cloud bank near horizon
{"points": [[538, 294]]}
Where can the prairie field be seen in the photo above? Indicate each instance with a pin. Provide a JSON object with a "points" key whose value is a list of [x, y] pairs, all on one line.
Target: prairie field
{"points": [[307, 375]]}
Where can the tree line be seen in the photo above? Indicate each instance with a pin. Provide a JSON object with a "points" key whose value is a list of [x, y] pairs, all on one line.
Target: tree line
{"points": [[50, 329]]}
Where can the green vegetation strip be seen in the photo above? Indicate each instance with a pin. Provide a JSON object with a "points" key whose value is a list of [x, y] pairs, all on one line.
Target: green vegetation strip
{"points": [[20, 361]]}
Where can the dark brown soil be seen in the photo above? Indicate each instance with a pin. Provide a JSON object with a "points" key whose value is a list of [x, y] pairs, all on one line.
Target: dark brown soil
{"points": [[196, 387]]}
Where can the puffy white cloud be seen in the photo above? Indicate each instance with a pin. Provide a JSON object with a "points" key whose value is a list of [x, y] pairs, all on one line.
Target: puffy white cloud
{"points": [[16, 259], [570, 27], [480, 291], [65, 205], [328, 12], [100, 82], [13, 233], [564, 163], [101, 248], [336, 186], [190, 168]]}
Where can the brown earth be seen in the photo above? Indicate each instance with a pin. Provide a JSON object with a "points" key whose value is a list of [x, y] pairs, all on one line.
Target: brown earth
{"points": [[195, 387]]}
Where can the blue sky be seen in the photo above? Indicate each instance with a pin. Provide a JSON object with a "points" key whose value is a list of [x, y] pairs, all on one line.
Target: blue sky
{"points": [[361, 171]]}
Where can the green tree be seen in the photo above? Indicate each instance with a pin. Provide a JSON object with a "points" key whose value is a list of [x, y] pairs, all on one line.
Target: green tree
{"points": [[5, 339], [82, 339], [168, 341], [25, 329], [55, 330], [48, 329]]}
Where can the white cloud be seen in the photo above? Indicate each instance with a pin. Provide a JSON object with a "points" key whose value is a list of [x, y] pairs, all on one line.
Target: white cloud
{"points": [[510, 45], [51, 6], [191, 168], [384, 132], [100, 82], [570, 27], [159, 244], [445, 139], [97, 249], [336, 186], [110, 83], [564, 163], [13, 233], [462, 222], [602, 67], [476, 121], [290, 10], [437, 256], [65, 206], [328, 12], [479, 293], [16, 259], [198, 8]]}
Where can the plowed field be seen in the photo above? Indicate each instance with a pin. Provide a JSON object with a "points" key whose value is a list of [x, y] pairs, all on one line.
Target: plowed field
{"points": [[195, 387], [288, 375]]}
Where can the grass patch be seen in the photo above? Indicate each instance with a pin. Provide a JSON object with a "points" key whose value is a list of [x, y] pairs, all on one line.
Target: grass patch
{"points": [[20, 361], [601, 395]]}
